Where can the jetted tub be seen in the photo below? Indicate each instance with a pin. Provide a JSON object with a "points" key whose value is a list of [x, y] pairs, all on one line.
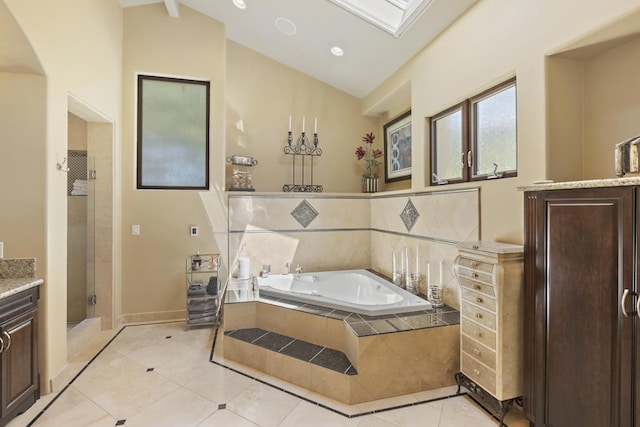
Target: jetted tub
{"points": [[358, 291]]}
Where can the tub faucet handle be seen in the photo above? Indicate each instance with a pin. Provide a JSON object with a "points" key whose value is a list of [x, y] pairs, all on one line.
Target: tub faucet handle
{"points": [[298, 269]]}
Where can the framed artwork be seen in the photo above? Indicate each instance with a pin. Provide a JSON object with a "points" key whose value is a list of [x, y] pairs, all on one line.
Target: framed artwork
{"points": [[397, 148]]}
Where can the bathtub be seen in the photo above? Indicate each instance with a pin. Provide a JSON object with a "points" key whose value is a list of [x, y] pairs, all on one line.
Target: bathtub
{"points": [[357, 291]]}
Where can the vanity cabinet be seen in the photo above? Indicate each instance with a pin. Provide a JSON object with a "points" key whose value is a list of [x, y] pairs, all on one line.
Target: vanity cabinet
{"points": [[19, 378], [582, 358], [491, 322]]}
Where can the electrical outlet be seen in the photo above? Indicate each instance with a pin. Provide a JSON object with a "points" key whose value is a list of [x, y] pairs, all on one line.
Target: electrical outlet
{"points": [[135, 229], [193, 230]]}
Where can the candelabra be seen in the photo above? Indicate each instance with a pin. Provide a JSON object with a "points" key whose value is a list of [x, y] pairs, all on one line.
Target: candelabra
{"points": [[304, 149]]}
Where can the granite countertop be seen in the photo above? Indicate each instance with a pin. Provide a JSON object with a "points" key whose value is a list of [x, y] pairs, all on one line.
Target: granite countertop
{"points": [[17, 275], [591, 183], [10, 287]]}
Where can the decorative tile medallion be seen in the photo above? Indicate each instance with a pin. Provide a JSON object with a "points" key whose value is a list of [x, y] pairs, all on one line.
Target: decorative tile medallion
{"points": [[304, 213], [409, 215]]}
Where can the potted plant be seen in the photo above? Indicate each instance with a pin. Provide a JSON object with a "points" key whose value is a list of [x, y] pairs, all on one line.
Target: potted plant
{"points": [[370, 156]]}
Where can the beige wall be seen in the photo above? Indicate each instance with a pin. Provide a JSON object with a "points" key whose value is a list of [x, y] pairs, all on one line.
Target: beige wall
{"points": [[79, 45], [263, 93], [153, 264], [508, 38], [612, 109]]}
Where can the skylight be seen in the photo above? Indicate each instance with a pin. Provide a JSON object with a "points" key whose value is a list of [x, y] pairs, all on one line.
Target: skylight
{"points": [[393, 16]]}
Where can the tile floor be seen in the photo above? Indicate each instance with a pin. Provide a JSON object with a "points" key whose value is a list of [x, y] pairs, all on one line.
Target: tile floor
{"points": [[160, 375]]}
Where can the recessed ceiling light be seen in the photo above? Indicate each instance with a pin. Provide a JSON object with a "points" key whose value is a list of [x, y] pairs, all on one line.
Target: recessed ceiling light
{"points": [[337, 51], [240, 4], [285, 26]]}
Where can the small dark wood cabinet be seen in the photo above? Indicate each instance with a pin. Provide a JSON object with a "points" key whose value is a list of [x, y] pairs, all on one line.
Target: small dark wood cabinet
{"points": [[19, 379], [581, 322]]}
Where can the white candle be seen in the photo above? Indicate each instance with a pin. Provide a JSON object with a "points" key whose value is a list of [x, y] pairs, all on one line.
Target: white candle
{"points": [[441, 275], [428, 275], [393, 264], [417, 261], [405, 265], [289, 122], [315, 125], [302, 123]]}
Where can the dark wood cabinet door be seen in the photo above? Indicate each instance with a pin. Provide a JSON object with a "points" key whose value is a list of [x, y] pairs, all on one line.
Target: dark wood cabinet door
{"points": [[581, 351], [19, 362]]}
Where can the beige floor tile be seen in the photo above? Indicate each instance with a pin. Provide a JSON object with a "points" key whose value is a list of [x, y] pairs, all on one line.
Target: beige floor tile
{"points": [[308, 415], [110, 370], [463, 412], [66, 401], [373, 421], [387, 403], [25, 418], [219, 384], [226, 418], [436, 393], [127, 398], [158, 353], [263, 405], [423, 415], [181, 408], [185, 368], [86, 414], [185, 389], [333, 404]]}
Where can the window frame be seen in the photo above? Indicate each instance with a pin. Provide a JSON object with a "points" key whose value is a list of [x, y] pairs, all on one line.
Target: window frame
{"points": [[469, 143], [464, 108], [473, 125], [139, 133]]}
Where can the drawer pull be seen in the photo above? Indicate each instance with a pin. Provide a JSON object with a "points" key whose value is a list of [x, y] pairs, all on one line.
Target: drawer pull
{"points": [[479, 300], [1, 345], [476, 351], [477, 372], [477, 287], [6, 334], [477, 333], [474, 264], [478, 315], [474, 275]]}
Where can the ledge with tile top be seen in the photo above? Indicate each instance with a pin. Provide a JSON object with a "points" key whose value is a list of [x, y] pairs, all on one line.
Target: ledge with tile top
{"points": [[591, 183], [17, 275]]}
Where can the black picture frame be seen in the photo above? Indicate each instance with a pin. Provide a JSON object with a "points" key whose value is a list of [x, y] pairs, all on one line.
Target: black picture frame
{"points": [[397, 148]]}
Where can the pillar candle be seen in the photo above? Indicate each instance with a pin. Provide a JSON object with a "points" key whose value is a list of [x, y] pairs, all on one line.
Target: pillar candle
{"points": [[302, 123], [441, 275], [315, 126], [289, 122]]}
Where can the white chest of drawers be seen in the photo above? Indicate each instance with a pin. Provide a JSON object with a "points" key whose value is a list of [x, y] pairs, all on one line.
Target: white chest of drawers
{"points": [[492, 321]]}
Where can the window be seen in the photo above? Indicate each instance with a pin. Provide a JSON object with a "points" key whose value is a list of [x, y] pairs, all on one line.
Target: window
{"points": [[476, 139], [173, 133]]}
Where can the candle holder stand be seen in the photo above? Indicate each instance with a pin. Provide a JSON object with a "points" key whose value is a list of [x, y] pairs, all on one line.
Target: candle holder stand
{"points": [[307, 151]]}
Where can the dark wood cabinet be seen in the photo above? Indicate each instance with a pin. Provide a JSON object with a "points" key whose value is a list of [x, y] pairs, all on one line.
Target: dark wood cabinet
{"points": [[19, 379], [581, 265]]}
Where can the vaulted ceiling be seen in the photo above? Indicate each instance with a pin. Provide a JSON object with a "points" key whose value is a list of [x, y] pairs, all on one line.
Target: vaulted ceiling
{"points": [[371, 54]]}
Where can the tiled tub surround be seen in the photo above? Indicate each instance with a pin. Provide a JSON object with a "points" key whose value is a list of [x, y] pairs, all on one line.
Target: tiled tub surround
{"points": [[388, 355], [349, 231]]}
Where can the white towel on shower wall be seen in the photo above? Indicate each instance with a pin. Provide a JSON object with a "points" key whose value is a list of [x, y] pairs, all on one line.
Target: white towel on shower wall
{"points": [[79, 188]]}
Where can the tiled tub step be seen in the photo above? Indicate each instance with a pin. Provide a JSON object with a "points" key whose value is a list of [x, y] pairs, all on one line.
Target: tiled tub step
{"points": [[307, 352]]}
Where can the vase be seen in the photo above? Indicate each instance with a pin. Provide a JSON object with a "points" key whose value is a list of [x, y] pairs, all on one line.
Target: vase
{"points": [[369, 185]]}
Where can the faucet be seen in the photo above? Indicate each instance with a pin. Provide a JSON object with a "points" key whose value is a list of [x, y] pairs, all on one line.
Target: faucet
{"points": [[288, 267], [298, 269]]}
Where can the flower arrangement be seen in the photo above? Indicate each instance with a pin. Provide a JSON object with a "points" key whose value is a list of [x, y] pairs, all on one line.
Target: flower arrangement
{"points": [[369, 155]]}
